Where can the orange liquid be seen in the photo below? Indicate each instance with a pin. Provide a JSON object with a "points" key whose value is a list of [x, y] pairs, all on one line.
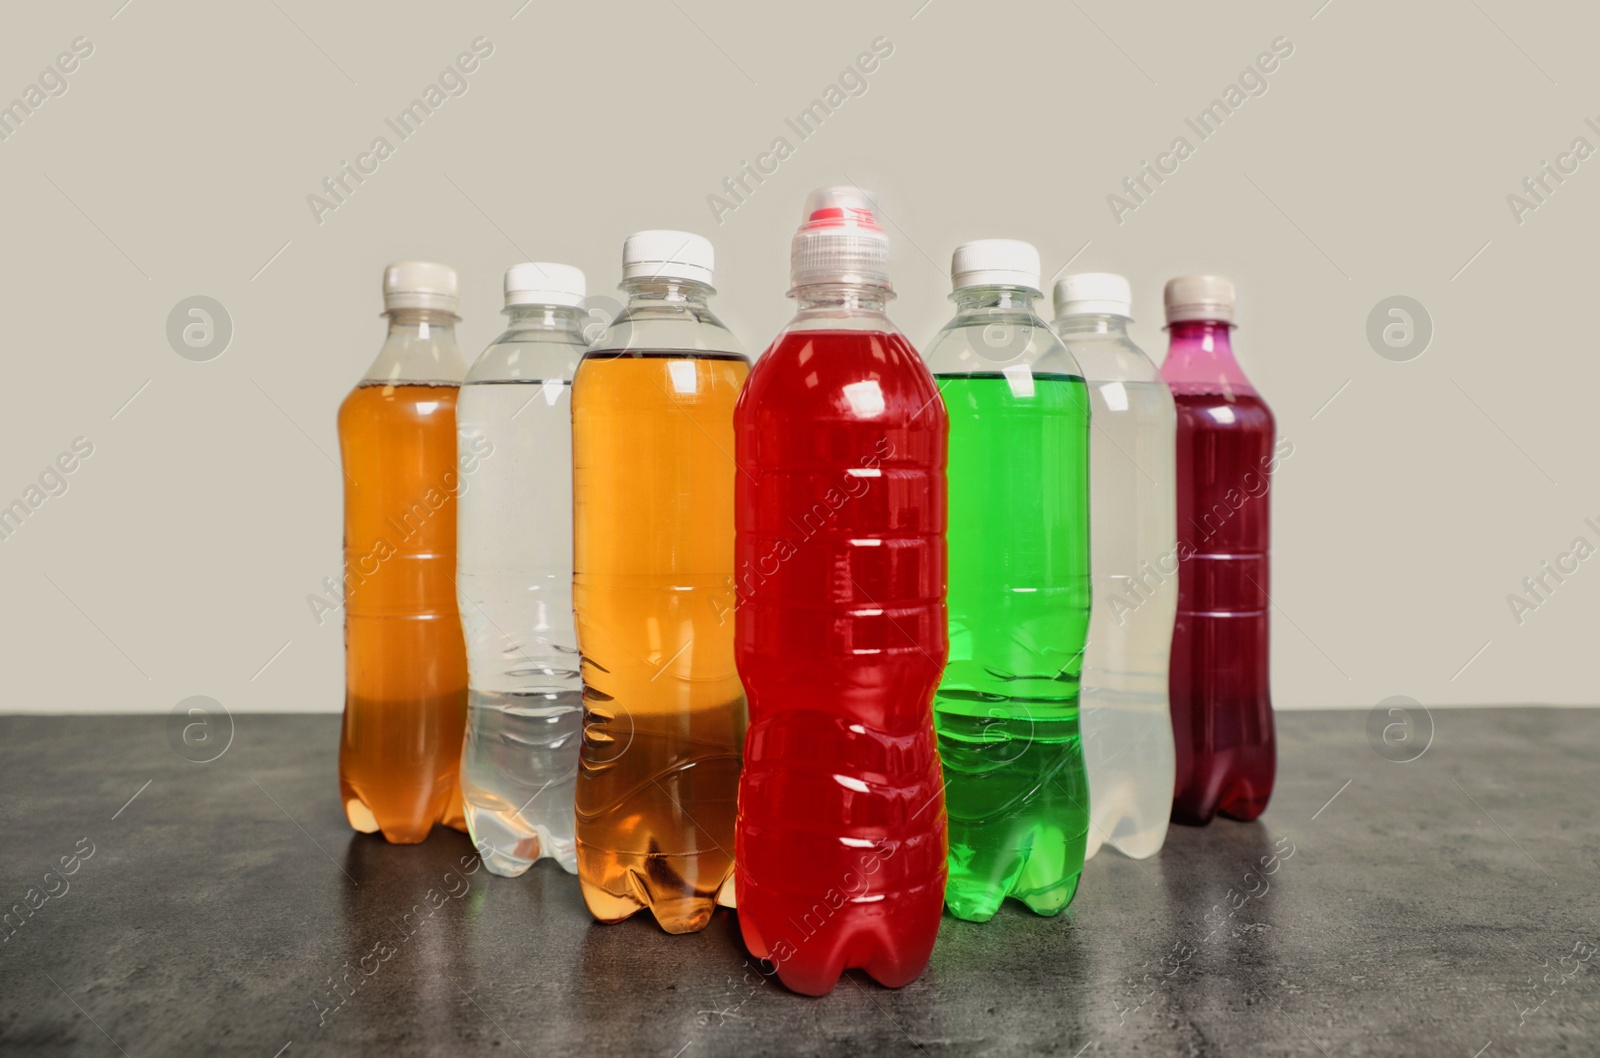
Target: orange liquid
{"points": [[664, 713], [405, 703]]}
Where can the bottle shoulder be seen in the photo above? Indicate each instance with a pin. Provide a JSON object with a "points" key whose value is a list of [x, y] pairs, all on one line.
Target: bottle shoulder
{"points": [[654, 327], [1109, 359], [836, 351], [1213, 409], [523, 356], [1000, 341], [850, 373], [408, 360]]}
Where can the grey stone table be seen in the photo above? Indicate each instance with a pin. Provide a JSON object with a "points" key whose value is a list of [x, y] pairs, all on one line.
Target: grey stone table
{"points": [[1441, 905]]}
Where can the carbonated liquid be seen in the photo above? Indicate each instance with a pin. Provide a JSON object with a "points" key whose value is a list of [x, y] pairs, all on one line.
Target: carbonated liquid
{"points": [[1007, 707], [841, 640], [1221, 701], [664, 711], [406, 669]]}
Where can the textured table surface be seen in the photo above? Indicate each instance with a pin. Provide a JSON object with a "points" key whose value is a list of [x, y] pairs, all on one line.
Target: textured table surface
{"points": [[1443, 905]]}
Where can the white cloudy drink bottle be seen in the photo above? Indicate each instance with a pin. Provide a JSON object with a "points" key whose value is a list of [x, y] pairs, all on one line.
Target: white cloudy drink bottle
{"points": [[1127, 727]]}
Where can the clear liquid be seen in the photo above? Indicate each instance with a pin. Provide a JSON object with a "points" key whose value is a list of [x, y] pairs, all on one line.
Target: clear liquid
{"points": [[1127, 729], [514, 582], [517, 777]]}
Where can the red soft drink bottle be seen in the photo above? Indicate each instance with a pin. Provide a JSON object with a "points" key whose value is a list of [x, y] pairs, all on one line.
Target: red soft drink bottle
{"points": [[1221, 702], [840, 631]]}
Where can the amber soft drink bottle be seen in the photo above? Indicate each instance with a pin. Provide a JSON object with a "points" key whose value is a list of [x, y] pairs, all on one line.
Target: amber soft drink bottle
{"points": [[405, 661], [664, 715], [841, 622], [1221, 702]]}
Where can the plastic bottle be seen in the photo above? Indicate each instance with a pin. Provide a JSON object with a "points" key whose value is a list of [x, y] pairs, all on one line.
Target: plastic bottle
{"points": [[514, 576], [1221, 703], [1127, 725], [841, 622], [664, 715], [1007, 707], [405, 665]]}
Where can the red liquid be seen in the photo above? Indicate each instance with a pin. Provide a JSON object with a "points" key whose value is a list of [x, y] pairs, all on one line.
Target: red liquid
{"points": [[1221, 701], [840, 640]]}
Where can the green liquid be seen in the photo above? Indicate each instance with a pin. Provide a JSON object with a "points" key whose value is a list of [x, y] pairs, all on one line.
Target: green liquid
{"points": [[1007, 708]]}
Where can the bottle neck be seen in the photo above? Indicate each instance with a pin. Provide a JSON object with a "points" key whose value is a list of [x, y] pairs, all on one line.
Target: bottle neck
{"points": [[1200, 357], [1098, 325], [555, 318], [839, 300], [986, 301], [656, 290], [422, 323]]}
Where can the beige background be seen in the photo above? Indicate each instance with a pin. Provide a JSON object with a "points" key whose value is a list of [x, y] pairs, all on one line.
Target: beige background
{"points": [[1377, 163]]}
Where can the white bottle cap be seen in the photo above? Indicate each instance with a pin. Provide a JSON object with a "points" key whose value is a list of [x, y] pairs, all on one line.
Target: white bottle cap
{"points": [[544, 283], [1199, 298], [667, 255], [421, 285], [1093, 294], [995, 262], [839, 241]]}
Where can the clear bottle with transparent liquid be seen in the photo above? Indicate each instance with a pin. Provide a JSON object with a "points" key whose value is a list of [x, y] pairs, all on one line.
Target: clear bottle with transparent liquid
{"points": [[1127, 726], [519, 762], [405, 663], [653, 535]]}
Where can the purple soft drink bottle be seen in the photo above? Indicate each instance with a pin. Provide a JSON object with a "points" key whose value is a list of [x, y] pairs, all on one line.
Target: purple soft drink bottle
{"points": [[1221, 702]]}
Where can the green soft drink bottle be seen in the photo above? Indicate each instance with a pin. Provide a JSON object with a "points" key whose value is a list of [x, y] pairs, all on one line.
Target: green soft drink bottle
{"points": [[1007, 708]]}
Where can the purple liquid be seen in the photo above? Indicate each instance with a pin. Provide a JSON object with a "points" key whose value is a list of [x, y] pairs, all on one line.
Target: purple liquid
{"points": [[1221, 698]]}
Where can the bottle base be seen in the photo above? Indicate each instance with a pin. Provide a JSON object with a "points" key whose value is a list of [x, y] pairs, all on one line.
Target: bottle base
{"points": [[680, 890], [508, 847], [676, 915], [890, 945], [980, 903], [361, 818], [1036, 863], [396, 831], [1238, 811], [1138, 837]]}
